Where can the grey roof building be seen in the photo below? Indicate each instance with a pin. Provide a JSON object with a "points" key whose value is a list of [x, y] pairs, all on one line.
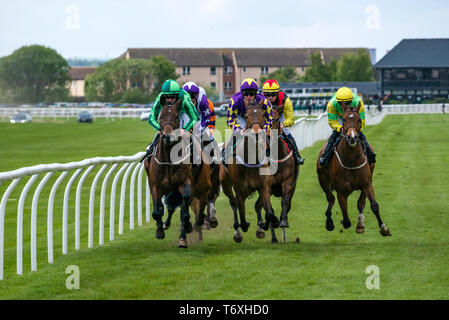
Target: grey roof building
{"points": [[415, 70]]}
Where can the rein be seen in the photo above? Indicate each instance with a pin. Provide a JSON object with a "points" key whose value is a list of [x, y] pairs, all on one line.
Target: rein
{"points": [[349, 168], [171, 163]]}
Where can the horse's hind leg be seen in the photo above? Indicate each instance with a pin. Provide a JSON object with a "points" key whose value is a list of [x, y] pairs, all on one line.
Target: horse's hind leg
{"points": [[384, 231], [260, 234], [343, 202], [360, 206], [167, 222]]}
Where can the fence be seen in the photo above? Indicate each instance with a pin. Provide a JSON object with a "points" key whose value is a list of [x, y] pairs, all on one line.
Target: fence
{"points": [[306, 132], [61, 112], [129, 165]]}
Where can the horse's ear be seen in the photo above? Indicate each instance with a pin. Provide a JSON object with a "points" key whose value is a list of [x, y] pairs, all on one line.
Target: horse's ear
{"points": [[261, 103], [359, 106]]}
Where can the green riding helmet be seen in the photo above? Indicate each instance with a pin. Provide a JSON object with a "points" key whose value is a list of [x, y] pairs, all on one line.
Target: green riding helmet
{"points": [[170, 87]]}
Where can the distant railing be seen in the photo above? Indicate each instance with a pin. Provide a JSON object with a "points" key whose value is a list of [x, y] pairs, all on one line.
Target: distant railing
{"points": [[61, 112]]}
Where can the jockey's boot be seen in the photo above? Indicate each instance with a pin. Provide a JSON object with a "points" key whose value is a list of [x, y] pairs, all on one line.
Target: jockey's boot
{"points": [[292, 144], [367, 148], [331, 143], [151, 146]]}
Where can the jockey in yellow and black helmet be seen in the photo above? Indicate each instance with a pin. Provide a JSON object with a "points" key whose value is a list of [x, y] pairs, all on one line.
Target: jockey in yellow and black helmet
{"points": [[344, 96], [277, 97]]}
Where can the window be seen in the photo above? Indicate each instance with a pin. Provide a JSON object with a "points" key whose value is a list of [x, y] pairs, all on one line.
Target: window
{"points": [[264, 70], [213, 85], [185, 71], [244, 69], [213, 71], [228, 70], [228, 86]]}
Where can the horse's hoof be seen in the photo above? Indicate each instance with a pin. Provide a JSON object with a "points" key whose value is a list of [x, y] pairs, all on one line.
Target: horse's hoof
{"points": [[385, 232], [274, 240], [238, 237], [260, 234], [275, 222], [330, 226], [245, 227], [284, 224], [346, 224], [360, 229], [182, 243], [206, 225], [160, 234], [213, 222], [187, 227]]}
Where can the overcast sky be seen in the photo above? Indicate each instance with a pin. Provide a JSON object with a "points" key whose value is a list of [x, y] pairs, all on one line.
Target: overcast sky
{"points": [[106, 28]]}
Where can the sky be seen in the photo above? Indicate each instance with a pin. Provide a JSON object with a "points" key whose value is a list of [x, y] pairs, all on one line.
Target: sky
{"points": [[107, 28]]}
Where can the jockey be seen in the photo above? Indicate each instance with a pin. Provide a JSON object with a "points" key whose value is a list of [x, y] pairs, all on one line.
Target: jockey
{"points": [[236, 118], [237, 110], [277, 97], [204, 106], [170, 94], [344, 97]]}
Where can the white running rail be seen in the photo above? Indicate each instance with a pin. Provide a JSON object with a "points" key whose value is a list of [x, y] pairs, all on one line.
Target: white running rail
{"points": [[133, 168]]}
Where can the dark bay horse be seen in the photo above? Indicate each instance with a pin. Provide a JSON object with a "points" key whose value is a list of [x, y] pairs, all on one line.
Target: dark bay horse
{"points": [[283, 183], [240, 179], [349, 170], [176, 178]]}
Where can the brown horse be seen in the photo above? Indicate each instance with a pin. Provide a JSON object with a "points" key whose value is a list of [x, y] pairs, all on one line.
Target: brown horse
{"points": [[186, 184], [283, 183], [349, 170], [240, 179]]}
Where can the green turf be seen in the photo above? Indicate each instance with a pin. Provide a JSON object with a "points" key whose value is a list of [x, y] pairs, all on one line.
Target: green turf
{"points": [[410, 181]]}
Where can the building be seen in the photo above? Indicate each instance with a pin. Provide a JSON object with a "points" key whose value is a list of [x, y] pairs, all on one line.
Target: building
{"points": [[225, 68], [319, 93], [415, 70], [78, 75]]}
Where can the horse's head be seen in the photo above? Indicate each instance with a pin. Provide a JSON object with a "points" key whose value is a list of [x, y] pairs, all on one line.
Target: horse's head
{"points": [[169, 121], [277, 111], [255, 116], [352, 124]]}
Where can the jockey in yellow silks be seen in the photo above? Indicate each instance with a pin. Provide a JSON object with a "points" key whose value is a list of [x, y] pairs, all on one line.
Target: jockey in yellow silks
{"points": [[344, 96]]}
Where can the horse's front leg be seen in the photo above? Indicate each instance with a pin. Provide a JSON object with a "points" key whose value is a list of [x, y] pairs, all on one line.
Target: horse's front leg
{"points": [[260, 233], [186, 226], [384, 231], [286, 202], [270, 218], [360, 206], [343, 202], [158, 212]]}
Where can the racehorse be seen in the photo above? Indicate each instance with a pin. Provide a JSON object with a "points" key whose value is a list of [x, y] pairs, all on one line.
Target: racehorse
{"points": [[349, 170], [183, 183], [239, 180], [283, 183]]}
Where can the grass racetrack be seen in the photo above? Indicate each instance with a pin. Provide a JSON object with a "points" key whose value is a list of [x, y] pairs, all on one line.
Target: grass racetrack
{"points": [[411, 187]]}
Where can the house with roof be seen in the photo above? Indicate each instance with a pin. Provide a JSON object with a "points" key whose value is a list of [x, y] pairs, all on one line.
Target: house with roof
{"points": [[78, 75], [225, 68], [415, 70]]}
